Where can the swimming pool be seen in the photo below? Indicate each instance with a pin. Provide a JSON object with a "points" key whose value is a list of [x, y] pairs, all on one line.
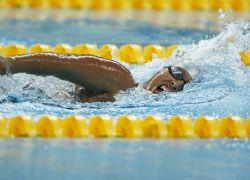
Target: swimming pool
{"points": [[221, 79], [220, 87]]}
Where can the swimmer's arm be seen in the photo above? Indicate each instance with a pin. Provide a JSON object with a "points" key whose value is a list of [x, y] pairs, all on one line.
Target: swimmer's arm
{"points": [[96, 74]]}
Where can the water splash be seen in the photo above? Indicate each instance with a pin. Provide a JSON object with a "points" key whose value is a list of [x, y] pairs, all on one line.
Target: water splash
{"points": [[222, 15]]}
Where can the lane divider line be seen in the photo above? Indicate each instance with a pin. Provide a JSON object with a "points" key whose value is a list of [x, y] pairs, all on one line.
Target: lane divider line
{"points": [[129, 53], [125, 126], [180, 5]]}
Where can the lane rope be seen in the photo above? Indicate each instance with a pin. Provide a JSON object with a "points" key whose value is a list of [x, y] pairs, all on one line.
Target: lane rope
{"points": [[125, 126], [129, 53], [180, 5]]}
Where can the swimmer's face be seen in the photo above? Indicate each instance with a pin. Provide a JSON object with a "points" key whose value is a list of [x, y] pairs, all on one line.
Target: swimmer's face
{"points": [[170, 79]]}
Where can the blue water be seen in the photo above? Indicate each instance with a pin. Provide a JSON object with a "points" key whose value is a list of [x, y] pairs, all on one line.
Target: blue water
{"points": [[220, 87], [96, 31], [124, 159]]}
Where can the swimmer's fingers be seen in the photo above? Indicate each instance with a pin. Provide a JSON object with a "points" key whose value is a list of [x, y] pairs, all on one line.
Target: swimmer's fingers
{"points": [[81, 91], [2, 65], [106, 97], [84, 96]]}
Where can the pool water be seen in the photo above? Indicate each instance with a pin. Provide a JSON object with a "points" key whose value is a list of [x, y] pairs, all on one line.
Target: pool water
{"points": [[220, 87], [124, 159]]}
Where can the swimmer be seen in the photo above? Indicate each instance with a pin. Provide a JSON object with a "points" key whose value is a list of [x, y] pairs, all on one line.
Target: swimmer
{"points": [[97, 79]]}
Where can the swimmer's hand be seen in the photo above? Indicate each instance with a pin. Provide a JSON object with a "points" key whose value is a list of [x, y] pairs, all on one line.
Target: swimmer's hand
{"points": [[84, 96], [2, 65]]}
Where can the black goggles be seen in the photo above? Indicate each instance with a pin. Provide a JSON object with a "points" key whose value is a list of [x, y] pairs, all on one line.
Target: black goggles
{"points": [[176, 72]]}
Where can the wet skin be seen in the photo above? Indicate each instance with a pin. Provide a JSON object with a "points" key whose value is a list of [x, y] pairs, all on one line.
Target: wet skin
{"points": [[96, 78]]}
